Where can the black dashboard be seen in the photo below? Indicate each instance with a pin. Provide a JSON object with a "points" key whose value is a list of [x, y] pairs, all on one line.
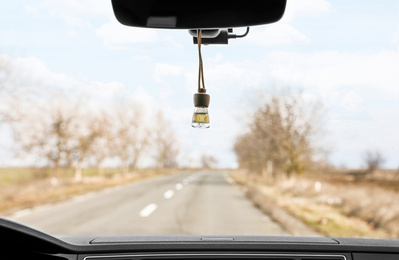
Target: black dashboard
{"points": [[21, 242]]}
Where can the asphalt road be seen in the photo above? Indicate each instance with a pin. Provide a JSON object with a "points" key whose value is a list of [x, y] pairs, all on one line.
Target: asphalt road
{"points": [[195, 203]]}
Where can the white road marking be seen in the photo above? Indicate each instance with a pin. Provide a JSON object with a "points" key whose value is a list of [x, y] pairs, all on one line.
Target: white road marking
{"points": [[84, 196], [228, 178], [179, 186], [22, 213], [168, 194], [148, 210], [111, 189]]}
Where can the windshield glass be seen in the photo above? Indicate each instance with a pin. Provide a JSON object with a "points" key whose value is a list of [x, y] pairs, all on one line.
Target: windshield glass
{"points": [[96, 136]]}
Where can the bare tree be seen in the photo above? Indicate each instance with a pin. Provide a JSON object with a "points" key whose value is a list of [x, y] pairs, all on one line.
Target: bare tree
{"points": [[208, 161], [165, 143], [87, 129], [46, 133], [4, 72], [100, 152], [17, 89], [101, 147], [7, 94], [373, 160], [280, 136], [130, 135], [250, 153]]}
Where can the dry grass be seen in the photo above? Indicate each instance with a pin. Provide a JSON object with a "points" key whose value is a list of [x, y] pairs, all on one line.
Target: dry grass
{"points": [[20, 188], [16, 175], [339, 205]]}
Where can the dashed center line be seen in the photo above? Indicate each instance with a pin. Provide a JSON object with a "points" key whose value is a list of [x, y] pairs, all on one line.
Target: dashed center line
{"points": [[168, 194], [22, 213], [148, 210], [179, 186], [228, 178]]}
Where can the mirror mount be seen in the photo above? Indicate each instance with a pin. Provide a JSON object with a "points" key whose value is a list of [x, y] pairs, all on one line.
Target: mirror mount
{"points": [[216, 36]]}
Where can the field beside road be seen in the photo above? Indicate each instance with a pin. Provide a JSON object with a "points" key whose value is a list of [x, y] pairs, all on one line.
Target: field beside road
{"points": [[336, 204], [24, 188]]}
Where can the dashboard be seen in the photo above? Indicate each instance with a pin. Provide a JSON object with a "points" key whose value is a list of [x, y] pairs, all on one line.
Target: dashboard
{"points": [[21, 242]]}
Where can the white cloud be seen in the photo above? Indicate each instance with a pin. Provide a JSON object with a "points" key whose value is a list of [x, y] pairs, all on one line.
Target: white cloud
{"points": [[75, 7], [298, 8], [341, 79], [350, 101], [163, 70], [116, 35], [33, 75], [77, 13], [284, 32], [330, 69], [395, 37], [276, 34], [350, 138], [31, 9], [227, 76], [142, 58]]}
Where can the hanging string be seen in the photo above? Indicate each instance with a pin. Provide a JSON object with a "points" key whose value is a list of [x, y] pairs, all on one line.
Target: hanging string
{"points": [[201, 67]]}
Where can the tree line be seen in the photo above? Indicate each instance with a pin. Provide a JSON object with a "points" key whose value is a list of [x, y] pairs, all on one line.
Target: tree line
{"points": [[62, 130]]}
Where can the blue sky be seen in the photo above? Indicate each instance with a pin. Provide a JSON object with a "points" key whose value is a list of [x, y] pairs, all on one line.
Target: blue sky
{"points": [[342, 53]]}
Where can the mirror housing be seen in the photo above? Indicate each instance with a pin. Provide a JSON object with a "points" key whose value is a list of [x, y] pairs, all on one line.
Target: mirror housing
{"points": [[204, 14]]}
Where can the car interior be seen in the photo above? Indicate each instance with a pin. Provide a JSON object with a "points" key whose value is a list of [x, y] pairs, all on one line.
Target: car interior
{"points": [[211, 22]]}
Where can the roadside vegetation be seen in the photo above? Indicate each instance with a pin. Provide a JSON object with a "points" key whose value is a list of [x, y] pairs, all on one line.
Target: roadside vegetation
{"points": [[334, 203], [24, 188], [280, 140], [55, 128], [70, 142], [279, 168], [63, 136]]}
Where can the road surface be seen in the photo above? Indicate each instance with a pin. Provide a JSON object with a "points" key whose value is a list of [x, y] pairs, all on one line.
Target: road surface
{"points": [[194, 203]]}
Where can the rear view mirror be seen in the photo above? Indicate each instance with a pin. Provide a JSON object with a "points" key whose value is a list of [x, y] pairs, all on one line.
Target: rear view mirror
{"points": [[204, 14]]}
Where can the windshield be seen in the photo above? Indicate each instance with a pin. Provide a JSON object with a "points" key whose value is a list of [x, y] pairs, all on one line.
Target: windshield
{"points": [[96, 136]]}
